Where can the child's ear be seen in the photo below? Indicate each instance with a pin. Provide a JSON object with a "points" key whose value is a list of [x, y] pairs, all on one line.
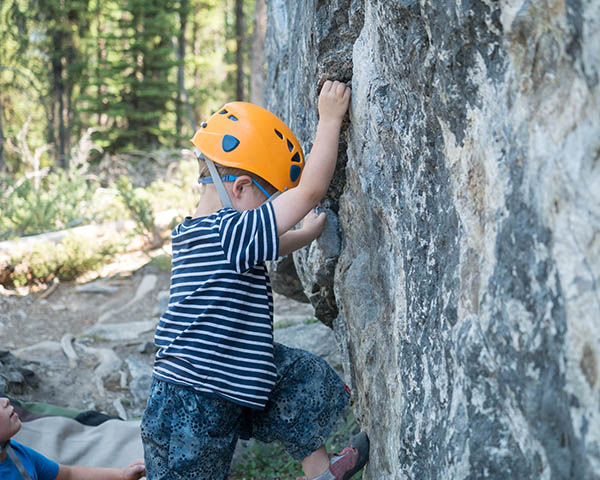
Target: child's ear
{"points": [[241, 183]]}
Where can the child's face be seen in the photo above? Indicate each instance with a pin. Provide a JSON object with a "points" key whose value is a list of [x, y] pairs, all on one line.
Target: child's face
{"points": [[10, 423]]}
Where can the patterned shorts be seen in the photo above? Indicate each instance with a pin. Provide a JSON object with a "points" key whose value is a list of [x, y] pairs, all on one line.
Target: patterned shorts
{"points": [[189, 435]]}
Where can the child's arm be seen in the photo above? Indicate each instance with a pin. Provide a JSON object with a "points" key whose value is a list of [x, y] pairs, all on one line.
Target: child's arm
{"points": [[291, 206], [312, 226], [134, 471]]}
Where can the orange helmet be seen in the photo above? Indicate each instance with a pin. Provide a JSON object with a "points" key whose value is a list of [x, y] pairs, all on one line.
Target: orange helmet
{"points": [[246, 136]]}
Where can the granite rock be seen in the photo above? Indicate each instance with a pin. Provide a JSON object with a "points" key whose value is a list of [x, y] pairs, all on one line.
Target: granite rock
{"points": [[465, 295]]}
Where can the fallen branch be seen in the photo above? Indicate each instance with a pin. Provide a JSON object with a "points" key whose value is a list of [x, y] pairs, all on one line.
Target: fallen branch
{"points": [[50, 290]]}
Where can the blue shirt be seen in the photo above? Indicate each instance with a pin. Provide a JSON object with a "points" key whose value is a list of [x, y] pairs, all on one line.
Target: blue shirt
{"points": [[217, 333], [38, 467]]}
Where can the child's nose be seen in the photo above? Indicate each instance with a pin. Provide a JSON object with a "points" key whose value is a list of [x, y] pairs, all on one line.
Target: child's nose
{"points": [[4, 402]]}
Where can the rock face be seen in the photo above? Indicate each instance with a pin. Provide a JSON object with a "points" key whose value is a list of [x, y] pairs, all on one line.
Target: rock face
{"points": [[465, 294]]}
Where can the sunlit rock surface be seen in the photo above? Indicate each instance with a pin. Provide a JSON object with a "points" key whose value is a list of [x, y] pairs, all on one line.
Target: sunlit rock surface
{"points": [[465, 295]]}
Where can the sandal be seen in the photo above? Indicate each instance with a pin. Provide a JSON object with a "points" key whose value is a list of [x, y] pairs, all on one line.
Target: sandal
{"points": [[350, 460]]}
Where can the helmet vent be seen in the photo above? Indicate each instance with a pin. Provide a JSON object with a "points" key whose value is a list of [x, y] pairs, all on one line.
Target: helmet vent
{"points": [[233, 117], [296, 157], [290, 146], [278, 133], [295, 172], [229, 143], [223, 112]]}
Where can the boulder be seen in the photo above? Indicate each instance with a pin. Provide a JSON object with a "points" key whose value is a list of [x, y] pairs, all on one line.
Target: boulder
{"points": [[16, 375], [465, 294]]}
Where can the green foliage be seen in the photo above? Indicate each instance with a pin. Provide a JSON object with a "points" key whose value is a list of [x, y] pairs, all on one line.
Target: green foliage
{"points": [[43, 64], [61, 201], [137, 202], [112, 66], [161, 263], [66, 260], [266, 461], [64, 200], [133, 85], [178, 191]]}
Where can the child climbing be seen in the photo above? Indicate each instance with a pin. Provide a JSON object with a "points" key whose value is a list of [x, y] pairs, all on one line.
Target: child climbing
{"points": [[218, 375], [18, 462]]}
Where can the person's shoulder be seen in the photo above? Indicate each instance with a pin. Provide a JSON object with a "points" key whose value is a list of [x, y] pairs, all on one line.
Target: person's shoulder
{"points": [[23, 451], [45, 467]]}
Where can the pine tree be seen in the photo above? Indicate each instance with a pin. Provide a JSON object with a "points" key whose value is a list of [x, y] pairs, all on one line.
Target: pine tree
{"points": [[136, 78], [64, 24], [257, 60], [41, 45], [112, 65], [240, 31]]}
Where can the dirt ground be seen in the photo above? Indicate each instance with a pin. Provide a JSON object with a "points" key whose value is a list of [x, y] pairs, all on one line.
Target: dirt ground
{"points": [[32, 319], [32, 327]]}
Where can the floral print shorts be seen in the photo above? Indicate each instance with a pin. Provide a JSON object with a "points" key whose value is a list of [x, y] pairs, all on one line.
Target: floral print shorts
{"points": [[190, 435]]}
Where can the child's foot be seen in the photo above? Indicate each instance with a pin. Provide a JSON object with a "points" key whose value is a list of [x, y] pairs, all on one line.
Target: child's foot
{"points": [[350, 460]]}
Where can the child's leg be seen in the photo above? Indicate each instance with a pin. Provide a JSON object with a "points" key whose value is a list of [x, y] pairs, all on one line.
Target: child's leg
{"points": [[303, 408], [316, 463], [188, 435]]}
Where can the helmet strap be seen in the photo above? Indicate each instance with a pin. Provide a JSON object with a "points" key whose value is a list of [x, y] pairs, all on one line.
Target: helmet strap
{"points": [[17, 461], [221, 191], [274, 196]]}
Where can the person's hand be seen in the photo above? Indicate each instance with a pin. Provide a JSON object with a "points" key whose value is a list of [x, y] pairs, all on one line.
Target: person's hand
{"points": [[134, 470], [314, 223], [333, 100]]}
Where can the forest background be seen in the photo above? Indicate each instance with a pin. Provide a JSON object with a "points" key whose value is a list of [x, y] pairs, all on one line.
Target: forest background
{"points": [[98, 101]]}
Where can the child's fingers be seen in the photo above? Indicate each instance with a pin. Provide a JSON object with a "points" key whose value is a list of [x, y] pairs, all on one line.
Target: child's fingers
{"points": [[334, 88], [315, 216], [347, 93], [326, 87], [340, 88]]}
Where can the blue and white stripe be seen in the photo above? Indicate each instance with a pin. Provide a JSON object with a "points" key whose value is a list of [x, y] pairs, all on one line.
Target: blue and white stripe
{"points": [[217, 333]]}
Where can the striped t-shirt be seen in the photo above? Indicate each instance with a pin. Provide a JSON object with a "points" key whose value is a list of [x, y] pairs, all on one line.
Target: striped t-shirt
{"points": [[217, 333]]}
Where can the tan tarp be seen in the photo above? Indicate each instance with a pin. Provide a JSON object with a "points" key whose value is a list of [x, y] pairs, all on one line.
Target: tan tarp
{"points": [[114, 443]]}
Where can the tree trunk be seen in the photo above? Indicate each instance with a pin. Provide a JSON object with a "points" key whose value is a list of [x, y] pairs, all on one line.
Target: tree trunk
{"points": [[180, 51], [196, 53], [1, 139], [62, 154], [239, 55], [102, 118], [69, 117], [257, 64], [70, 58], [58, 107]]}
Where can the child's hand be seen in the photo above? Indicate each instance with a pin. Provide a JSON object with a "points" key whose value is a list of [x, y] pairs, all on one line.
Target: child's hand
{"points": [[314, 223], [333, 100], [134, 470]]}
